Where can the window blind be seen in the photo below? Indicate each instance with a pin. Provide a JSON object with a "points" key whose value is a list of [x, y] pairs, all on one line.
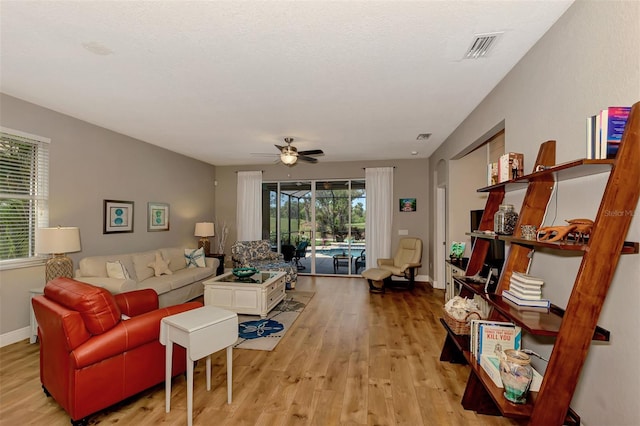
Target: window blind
{"points": [[24, 194]]}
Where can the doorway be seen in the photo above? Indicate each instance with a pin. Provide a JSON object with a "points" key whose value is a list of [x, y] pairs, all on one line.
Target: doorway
{"points": [[321, 222]]}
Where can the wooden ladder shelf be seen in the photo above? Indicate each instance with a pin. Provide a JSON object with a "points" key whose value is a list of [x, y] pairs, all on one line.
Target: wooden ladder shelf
{"points": [[575, 326]]}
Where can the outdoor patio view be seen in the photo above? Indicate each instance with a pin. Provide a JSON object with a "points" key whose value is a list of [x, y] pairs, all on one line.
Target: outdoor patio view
{"points": [[319, 225]]}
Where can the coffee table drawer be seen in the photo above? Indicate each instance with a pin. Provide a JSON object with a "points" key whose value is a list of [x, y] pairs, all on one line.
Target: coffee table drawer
{"points": [[276, 294]]}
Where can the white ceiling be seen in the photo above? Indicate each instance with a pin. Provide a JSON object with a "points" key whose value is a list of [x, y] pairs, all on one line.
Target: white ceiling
{"points": [[220, 80]]}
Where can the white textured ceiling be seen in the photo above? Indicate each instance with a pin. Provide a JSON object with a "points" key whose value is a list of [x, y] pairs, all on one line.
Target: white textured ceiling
{"points": [[220, 80]]}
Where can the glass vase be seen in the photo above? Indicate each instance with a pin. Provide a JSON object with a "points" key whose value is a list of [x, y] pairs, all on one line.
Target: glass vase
{"points": [[516, 374], [504, 221]]}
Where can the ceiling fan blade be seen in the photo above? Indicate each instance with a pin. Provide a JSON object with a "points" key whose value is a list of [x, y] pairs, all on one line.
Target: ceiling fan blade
{"points": [[279, 147], [311, 152], [307, 159], [264, 154]]}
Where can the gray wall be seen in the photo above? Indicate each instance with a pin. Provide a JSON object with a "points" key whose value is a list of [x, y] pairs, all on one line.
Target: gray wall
{"points": [[89, 164], [590, 59], [409, 180]]}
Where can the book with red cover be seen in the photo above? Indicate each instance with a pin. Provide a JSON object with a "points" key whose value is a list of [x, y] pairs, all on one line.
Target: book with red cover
{"points": [[612, 120]]}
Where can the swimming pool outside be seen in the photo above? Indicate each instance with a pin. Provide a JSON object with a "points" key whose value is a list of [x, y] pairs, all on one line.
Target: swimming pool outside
{"points": [[330, 252]]}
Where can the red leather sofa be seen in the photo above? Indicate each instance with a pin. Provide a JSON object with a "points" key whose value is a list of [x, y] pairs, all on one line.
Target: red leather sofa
{"points": [[91, 356]]}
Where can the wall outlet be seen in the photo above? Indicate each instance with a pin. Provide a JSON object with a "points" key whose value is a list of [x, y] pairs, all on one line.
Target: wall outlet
{"points": [[403, 232]]}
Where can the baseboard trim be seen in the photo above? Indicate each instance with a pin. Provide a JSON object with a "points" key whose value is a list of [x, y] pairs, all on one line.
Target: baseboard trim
{"points": [[14, 336]]}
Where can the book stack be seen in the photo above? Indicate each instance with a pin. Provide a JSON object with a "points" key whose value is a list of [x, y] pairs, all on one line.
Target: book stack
{"points": [[492, 337], [604, 132], [525, 290]]}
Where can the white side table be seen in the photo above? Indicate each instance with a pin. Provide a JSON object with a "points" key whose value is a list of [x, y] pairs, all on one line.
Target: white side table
{"points": [[201, 331], [32, 316]]}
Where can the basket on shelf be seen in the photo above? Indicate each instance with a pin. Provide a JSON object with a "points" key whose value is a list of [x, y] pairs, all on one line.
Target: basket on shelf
{"points": [[461, 327]]}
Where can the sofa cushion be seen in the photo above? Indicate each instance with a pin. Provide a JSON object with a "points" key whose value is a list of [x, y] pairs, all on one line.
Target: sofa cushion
{"points": [[159, 284], [160, 266], [141, 263], [96, 305], [96, 266], [194, 258], [175, 257], [190, 275], [116, 269]]}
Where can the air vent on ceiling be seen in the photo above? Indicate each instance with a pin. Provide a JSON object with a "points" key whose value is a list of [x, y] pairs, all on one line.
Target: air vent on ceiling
{"points": [[423, 136], [482, 45]]}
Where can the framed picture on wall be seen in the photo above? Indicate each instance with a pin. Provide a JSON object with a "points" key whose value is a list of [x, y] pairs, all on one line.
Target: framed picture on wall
{"points": [[118, 216], [157, 217], [407, 204]]}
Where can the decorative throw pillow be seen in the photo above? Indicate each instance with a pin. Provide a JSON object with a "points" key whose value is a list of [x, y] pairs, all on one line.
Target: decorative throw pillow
{"points": [[159, 266], [117, 270], [194, 258]]}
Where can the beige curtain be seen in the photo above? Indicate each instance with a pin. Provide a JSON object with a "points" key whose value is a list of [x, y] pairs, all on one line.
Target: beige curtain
{"points": [[379, 184], [249, 207]]}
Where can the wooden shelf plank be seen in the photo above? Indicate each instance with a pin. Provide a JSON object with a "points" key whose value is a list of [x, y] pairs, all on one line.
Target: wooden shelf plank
{"points": [[629, 247], [471, 399], [565, 171], [534, 321], [507, 408]]}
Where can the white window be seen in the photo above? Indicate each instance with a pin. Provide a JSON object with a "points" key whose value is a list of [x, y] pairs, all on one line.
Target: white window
{"points": [[24, 195]]}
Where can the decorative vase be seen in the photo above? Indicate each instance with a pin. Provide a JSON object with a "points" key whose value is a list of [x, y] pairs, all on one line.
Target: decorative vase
{"points": [[504, 221], [516, 374]]}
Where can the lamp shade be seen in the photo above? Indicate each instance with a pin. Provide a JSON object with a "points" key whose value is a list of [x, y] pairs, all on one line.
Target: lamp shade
{"points": [[204, 229], [57, 240]]}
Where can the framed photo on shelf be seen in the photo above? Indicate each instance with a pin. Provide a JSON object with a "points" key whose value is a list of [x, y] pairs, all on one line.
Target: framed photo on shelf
{"points": [[407, 204], [457, 249], [118, 216], [157, 217]]}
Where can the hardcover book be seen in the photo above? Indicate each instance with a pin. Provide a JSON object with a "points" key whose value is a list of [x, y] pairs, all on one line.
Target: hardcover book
{"points": [[509, 295], [526, 278], [492, 337], [524, 293], [510, 166], [532, 315], [495, 338], [613, 121]]}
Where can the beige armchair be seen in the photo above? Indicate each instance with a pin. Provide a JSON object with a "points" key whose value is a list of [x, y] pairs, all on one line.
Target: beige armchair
{"points": [[407, 259]]}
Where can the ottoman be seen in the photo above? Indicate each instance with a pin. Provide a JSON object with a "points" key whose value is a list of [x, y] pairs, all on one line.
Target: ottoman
{"points": [[375, 275]]}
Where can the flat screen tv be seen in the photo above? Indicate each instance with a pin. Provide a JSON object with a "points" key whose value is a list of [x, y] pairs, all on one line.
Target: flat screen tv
{"points": [[495, 255]]}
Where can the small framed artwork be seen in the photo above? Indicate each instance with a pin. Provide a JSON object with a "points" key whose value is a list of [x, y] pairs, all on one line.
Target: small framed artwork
{"points": [[407, 204], [157, 217], [118, 216]]}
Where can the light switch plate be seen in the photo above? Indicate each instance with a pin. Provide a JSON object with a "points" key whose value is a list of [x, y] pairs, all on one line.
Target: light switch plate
{"points": [[403, 232]]}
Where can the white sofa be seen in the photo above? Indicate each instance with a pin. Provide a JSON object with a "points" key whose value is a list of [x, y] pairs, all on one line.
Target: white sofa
{"points": [[182, 285]]}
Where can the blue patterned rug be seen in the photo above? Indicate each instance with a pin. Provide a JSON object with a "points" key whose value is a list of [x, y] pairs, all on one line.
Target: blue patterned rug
{"points": [[263, 334]]}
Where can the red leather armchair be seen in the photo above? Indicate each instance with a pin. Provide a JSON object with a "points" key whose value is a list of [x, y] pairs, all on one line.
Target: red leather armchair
{"points": [[91, 358]]}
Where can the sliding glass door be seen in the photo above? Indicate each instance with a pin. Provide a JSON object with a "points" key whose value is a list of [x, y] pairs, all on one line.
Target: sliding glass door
{"points": [[319, 225]]}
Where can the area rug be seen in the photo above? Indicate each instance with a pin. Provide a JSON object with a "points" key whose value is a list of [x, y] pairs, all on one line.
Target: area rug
{"points": [[264, 334]]}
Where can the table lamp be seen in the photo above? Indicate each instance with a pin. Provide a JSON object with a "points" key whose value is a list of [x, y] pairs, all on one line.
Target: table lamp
{"points": [[58, 241], [204, 230]]}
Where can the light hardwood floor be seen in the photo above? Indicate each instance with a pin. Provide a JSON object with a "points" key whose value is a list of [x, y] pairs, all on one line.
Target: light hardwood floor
{"points": [[351, 358]]}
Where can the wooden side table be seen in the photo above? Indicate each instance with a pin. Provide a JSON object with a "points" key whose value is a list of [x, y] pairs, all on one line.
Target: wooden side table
{"points": [[201, 332], [220, 257]]}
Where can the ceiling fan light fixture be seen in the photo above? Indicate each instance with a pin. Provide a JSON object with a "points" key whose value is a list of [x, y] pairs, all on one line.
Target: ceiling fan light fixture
{"points": [[288, 157]]}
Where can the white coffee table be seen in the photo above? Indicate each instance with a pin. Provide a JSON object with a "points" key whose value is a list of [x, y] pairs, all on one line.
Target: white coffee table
{"points": [[255, 295], [201, 332]]}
